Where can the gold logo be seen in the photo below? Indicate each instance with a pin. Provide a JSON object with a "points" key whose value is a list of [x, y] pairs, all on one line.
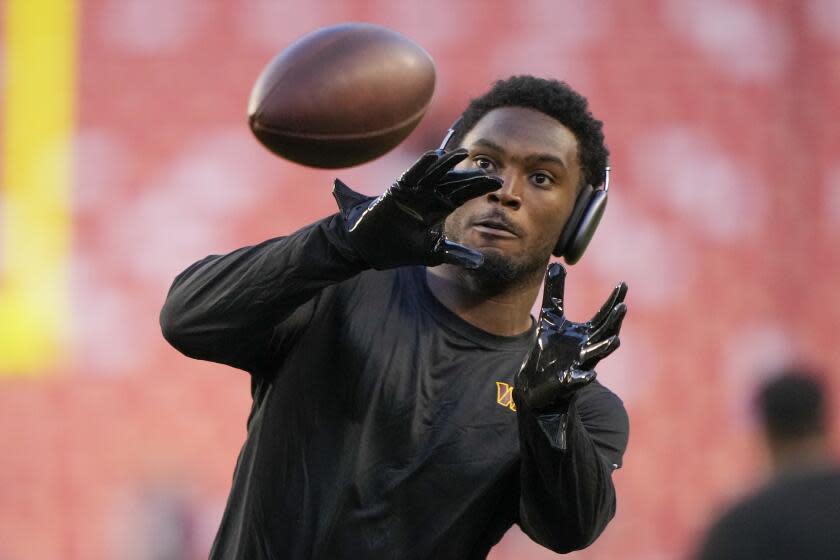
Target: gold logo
{"points": [[504, 395]]}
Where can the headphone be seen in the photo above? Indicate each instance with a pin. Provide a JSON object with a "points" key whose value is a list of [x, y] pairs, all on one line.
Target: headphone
{"points": [[583, 221]]}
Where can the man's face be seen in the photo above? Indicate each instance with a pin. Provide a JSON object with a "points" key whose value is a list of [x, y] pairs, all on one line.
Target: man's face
{"points": [[517, 226]]}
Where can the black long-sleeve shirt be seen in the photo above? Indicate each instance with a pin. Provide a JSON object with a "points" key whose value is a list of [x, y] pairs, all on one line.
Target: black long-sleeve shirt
{"points": [[382, 424]]}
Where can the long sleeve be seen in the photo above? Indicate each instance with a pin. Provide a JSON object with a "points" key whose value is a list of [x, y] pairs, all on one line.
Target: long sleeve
{"points": [[229, 308], [567, 495]]}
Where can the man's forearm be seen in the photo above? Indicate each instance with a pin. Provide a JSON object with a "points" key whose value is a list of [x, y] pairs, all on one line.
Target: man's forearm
{"points": [[224, 307], [567, 495]]}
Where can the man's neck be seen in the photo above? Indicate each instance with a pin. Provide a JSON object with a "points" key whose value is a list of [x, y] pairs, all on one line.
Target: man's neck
{"points": [[802, 454], [505, 313]]}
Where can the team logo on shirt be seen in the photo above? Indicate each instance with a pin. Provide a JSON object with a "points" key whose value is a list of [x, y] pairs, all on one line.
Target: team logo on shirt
{"points": [[504, 395]]}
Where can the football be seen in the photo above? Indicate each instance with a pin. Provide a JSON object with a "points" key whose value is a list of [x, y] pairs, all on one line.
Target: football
{"points": [[341, 95]]}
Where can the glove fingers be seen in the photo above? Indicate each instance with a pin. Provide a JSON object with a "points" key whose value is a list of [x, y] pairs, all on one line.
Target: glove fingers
{"points": [[591, 354], [417, 171], [455, 253], [441, 167], [616, 297], [460, 186], [612, 325], [553, 290]]}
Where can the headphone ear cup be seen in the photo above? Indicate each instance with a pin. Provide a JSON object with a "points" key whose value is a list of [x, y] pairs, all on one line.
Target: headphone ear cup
{"points": [[586, 228], [571, 227]]}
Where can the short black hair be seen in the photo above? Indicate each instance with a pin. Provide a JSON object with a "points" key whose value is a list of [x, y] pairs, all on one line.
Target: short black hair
{"points": [[557, 100], [791, 404]]}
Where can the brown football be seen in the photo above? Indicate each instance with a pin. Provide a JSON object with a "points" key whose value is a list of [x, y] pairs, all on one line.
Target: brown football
{"points": [[341, 95]]}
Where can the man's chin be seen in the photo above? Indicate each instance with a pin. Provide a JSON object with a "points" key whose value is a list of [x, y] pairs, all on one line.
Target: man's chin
{"points": [[495, 250], [501, 248], [506, 264], [502, 270]]}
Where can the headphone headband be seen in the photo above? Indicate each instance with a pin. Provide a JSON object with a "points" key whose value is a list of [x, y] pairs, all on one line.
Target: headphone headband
{"points": [[449, 134]]}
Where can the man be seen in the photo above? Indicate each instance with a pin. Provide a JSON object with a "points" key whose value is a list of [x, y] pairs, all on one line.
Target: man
{"points": [[797, 513], [383, 342]]}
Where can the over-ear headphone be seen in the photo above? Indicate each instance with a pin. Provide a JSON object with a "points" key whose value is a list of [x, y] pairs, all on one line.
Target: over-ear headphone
{"points": [[583, 221]]}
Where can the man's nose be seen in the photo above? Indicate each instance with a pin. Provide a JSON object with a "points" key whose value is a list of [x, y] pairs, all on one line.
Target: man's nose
{"points": [[509, 194]]}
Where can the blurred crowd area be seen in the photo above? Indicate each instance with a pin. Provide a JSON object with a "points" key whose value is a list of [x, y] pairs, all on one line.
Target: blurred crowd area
{"points": [[724, 218]]}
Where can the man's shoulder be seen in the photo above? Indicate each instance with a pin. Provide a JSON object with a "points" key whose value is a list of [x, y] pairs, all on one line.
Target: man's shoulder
{"points": [[373, 280], [369, 283], [374, 294], [781, 502], [734, 534]]}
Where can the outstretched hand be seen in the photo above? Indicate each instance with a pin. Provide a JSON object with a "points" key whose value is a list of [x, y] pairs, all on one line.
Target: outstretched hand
{"points": [[404, 226], [565, 354]]}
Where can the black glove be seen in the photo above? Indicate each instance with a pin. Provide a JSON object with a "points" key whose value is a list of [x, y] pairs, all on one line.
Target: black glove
{"points": [[563, 358], [404, 226]]}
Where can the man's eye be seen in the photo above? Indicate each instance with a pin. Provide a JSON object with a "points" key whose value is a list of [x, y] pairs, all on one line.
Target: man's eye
{"points": [[484, 163], [541, 179]]}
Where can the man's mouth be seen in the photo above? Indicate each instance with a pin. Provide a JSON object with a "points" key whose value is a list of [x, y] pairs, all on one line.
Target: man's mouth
{"points": [[496, 226]]}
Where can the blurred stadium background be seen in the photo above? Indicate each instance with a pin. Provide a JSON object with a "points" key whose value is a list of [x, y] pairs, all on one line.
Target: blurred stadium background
{"points": [[126, 156]]}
